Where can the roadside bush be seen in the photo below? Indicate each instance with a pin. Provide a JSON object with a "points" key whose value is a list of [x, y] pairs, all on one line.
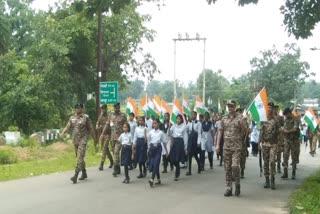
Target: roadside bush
{"points": [[26, 142], [7, 156], [13, 128]]}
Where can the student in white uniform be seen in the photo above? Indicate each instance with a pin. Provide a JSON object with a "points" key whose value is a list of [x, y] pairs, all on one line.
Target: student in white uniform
{"points": [[141, 146], [133, 126], [206, 141], [179, 135], [165, 127], [127, 152], [155, 139]]}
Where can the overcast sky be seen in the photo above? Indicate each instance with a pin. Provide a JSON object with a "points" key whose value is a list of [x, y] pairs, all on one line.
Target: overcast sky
{"points": [[234, 36]]}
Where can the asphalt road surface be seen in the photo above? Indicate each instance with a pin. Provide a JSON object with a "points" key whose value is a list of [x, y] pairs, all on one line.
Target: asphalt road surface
{"points": [[102, 193]]}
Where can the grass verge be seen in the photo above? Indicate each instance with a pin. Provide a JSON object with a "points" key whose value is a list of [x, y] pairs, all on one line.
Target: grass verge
{"points": [[60, 161], [306, 198]]}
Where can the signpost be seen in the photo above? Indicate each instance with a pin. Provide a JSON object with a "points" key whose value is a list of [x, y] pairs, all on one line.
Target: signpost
{"points": [[109, 92]]}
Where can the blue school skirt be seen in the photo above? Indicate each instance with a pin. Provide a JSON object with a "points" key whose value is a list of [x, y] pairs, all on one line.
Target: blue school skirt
{"points": [[155, 152], [126, 153], [141, 151], [177, 152], [192, 144]]}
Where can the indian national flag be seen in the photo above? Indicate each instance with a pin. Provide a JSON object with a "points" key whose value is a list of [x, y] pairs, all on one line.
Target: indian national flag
{"points": [[164, 109], [157, 104], [259, 106], [185, 108], [152, 110], [294, 112], [311, 119], [131, 107], [143, 104], [176, 109], [199, 106]]}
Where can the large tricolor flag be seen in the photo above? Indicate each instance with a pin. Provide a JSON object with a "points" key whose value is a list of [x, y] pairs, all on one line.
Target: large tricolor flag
{"points": [[152, 109], [164, 109], [199, 106], [185, 108], [143, 104], [259, 106], [157, 104], [311, 119], [176, 109], [131, 107]]}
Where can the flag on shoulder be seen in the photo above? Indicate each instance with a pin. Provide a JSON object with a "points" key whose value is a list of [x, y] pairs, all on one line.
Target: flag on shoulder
{"points": [[311, 119], [259, 106], [131, 107], [176, 110]]}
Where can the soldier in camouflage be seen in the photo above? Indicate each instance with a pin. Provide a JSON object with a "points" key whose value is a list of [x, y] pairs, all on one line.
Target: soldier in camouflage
{"points": [[280, 140], [313, 138], [233, 128], [291, 137], [114, 124], [80, 124], [102, 120], [268, 141]]}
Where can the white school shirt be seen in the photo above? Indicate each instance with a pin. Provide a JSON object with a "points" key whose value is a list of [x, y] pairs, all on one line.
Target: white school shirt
{"points": [[125, 139], [133, 125], [156, 137], [149, 123], [180, 131], [139, 133], [197, 127]]}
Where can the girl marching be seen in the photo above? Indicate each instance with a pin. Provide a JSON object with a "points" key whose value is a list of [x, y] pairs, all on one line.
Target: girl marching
{"points": [[141, 147]]}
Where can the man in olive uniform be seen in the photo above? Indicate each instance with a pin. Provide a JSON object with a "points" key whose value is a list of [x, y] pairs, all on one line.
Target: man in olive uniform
{"points": [[115, 123], [106, 137], [268, 141], [233, 129], [244, 152], [80, 124], [280, 140], [313, 138], [291, 137]]}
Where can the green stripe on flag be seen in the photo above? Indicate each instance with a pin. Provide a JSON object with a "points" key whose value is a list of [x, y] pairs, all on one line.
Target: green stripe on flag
{"points": [[254, 112], [310, 123], [186, 110]]}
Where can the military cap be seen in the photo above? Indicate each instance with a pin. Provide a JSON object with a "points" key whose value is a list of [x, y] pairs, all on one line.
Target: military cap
{"points": [[116, 104], [103, 106], [286, 111], [271, 104], [78, 105], [231, 102]]}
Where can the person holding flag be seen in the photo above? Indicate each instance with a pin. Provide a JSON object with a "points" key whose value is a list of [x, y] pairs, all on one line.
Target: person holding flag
{"points": [[268, 142], [313, 130]]}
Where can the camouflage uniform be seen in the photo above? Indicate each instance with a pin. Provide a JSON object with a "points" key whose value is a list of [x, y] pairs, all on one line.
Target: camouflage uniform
{"points": [[232, 148], [115, 123], [268, 139], [106, 137], [290, 144], [313, 138], [244, 151], [280, 141], [81, 127]]}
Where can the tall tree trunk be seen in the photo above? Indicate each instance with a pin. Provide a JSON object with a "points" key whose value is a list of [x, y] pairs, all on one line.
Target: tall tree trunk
{"points": [[99, 62]]}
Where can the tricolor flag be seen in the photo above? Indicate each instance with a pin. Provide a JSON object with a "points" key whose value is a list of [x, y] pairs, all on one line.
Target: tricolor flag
{"points": [[259, 106], [131, 107], [294, 112], [164, 109], [311, 119], [152, 109], [185, 108], [143, 104], [176, 109], [199, 106], [157, 103]]}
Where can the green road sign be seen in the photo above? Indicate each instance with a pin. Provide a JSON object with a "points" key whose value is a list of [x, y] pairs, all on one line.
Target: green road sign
{"points": [[109, 92]]}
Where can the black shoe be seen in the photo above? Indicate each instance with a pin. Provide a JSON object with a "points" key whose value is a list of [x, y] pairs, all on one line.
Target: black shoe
{"points": [[267, 183], [151, 182], [293, 177], [273, 186], [101, 166], [110, 165], [237, 192], [126, 180], [158, 182], [140, 176], [228, 193], [83, 175], [164, 171], [188, 173], [242, 173], [285, 174], [175, 178], [75, 177], [171, 168]]}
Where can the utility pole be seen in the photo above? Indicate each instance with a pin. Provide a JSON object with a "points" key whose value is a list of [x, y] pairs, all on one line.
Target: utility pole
{"points": [[188, 39]]}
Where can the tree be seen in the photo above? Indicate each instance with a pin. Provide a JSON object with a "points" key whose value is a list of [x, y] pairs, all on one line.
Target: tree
{"points": [[300, 16], [282, 73]]}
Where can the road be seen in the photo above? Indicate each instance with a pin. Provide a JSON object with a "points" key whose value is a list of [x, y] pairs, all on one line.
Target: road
{"points": [[102, 193]]}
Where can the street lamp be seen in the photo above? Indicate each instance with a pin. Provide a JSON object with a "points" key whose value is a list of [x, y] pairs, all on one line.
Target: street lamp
{"points": [[315, 49], [188, 38]]}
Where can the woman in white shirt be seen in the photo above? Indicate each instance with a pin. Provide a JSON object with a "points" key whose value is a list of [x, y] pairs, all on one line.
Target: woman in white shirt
{"points": [[155, 139], [165, 127], [127, 152], [179, 142], [141, 146]]}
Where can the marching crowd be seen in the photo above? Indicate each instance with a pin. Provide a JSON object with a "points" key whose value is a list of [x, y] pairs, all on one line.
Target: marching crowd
{"points": [[143, 142]]}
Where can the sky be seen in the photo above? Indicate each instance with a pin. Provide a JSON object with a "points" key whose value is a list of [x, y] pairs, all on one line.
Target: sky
{"points": [[234, 35]]}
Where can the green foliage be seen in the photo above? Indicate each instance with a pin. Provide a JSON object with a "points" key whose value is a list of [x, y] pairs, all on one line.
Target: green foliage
{"points": [[13, 128], [27, 142], [306, 198], [7, 156]]}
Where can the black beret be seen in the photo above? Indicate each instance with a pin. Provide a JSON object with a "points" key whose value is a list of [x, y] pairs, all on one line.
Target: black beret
{"points": [[78, 105]]}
